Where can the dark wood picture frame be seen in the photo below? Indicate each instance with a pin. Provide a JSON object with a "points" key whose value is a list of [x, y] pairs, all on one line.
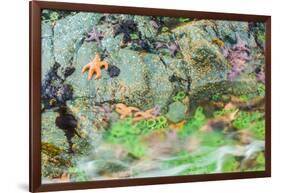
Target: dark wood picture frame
{"points": [[35, 8]]}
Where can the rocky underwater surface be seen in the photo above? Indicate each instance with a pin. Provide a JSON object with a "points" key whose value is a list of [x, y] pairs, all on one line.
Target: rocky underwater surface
{"points": [[158, 96]]}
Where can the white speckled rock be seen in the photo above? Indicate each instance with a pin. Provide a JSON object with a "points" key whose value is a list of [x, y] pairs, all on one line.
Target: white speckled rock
{"points": [[48, 59], [68, 32]]}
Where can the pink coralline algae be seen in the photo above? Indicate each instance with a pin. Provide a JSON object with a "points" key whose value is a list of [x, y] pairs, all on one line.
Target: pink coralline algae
{"points": [[107, 110], [173, 47], [156, 110], [238, 55]]}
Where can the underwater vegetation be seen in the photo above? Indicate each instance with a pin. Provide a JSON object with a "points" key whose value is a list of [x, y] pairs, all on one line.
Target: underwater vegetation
{"points": [[124, 133], [254, 122], [195, 123], [170, 96], [179, 96]]}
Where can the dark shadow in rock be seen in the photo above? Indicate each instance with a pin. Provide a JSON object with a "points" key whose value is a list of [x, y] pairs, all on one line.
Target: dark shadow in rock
{"points": [[68, 123], [113, 71]]}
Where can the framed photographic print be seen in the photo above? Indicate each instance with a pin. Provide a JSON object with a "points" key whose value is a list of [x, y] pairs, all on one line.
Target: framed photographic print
{"points": [[123, 96]]}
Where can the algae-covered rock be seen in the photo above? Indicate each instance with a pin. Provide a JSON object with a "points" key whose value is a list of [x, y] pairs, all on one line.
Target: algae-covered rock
{"points": [[69, 33], [142, 77], [226, 31], [147, 79], [206, 61], [55, 160], [157, 79], [207, 64], [128, 87], [145, 27], [56, 136], [177, 112], [51, 133], [55, 156], [83, 109], [47, 59], [81, 86]]}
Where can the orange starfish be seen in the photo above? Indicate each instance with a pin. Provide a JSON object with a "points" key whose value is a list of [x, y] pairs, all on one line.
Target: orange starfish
{"points": [[94, 67], [144, 115], [125, 111]]}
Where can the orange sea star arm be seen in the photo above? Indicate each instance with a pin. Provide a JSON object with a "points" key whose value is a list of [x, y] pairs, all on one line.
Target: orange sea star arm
{"points": [[86, 67], [98, 73]]}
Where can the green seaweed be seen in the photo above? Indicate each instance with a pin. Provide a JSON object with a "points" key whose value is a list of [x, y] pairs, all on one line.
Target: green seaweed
{"points": [[216, 97], [259, 163], [223, 112], [161, 122], [195, 123], [261, 89], [134, 36], [260, 159], [253, 121], [230, 164], [259, 129], [184, 19], [179, 96], [195, 159], [77, 174], [164, 29], [146, 126], [213, 139], [135, 147], [244, 97], [192, 159], [261, 36], [151, 123], [126, 133], [245, 119]]}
